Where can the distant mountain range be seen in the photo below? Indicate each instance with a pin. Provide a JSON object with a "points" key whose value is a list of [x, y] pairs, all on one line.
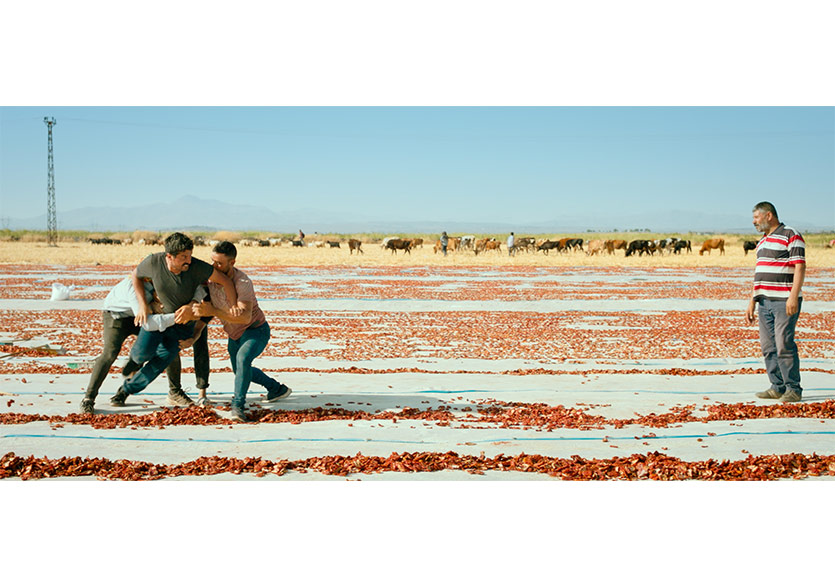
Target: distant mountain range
{"points": [[197, 214]]}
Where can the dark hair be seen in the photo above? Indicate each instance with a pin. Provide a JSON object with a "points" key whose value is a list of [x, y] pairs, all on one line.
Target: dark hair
{"points": [[178, 242], [226, 248], [765, 206]]}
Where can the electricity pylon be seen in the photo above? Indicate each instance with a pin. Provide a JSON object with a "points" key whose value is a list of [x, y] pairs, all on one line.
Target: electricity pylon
{"points": [[51, 219]]}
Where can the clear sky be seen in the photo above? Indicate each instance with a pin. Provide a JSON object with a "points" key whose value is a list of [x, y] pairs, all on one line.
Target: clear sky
{"points": [[491, 164]]}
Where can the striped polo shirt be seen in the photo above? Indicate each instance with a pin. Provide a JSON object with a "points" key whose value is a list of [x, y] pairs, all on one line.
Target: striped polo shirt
{"points": [[777, 254]]}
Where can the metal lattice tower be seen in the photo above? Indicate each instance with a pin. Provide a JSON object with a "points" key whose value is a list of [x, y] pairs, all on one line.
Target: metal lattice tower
{"points": [[51, 219]]}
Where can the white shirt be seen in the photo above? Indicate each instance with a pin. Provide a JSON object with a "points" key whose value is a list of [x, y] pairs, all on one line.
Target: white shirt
{"points": [[122, 302]]}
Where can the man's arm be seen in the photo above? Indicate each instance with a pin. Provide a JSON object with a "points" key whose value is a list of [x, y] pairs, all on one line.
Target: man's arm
{"points": [[228, 288], [797, 284], [143, 309], [206, 309]]}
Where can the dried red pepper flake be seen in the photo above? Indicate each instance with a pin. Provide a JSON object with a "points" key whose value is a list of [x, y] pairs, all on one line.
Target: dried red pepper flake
{"points": [[488, 411], [649, 466]]}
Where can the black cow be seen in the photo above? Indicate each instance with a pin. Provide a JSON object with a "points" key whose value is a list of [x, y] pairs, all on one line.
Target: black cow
{"points": [[575, 243], [749, 245], [297, 243], [682, 245], [333, 244], [639, 246]]}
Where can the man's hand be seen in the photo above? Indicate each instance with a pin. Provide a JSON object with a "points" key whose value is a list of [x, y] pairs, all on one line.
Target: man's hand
{"points": [[142, 317], [236, 311], [791, 305], [187, 343], [750, 314], [203, 309], [184, 315]]}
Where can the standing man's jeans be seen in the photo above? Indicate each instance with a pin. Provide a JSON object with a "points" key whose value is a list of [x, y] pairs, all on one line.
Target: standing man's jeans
{"points": [[242, 352], [156, 350], [782, 363]]}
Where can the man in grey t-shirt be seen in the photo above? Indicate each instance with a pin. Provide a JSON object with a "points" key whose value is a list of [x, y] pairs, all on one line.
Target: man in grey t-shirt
{"points": [[175, 275]]}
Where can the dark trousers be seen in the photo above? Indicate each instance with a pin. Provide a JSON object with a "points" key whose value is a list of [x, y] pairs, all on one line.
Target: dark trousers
{"points": [[201, 364], [114, 334]]}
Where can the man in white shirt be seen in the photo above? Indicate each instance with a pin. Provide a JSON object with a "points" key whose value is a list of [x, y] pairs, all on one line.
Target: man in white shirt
{"points": [[118, 314]]}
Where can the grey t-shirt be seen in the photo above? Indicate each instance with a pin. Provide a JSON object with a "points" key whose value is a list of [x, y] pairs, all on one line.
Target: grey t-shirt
{"points": [[174, 291]]}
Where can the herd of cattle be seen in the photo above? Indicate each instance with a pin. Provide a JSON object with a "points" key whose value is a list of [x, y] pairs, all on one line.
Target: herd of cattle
{"points": [[565, 245], [479, 245]]}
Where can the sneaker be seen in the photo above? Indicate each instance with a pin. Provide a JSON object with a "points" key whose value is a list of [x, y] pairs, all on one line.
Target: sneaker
{"points": [[87, 407], [280, 392], [179, 399], [237, 414], [770, 394], [202, 402], [118, 400], [790, 396]]}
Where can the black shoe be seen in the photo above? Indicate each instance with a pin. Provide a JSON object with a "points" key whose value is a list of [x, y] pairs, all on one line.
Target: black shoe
{"points": [[179, 399], [790, 397], [87, 407], [282, 391], [770, 394], [238, 414], [118, 400]]}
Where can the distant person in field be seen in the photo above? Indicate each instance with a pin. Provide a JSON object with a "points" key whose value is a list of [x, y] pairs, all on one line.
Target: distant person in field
{"points": [[175, 275], [444, 242], [778, 279], [510, 242], [249, 332], [301, 236], [118, 314]]}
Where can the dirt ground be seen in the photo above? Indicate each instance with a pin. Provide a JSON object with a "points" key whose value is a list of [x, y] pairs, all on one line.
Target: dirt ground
{"points": [[67, 253]]}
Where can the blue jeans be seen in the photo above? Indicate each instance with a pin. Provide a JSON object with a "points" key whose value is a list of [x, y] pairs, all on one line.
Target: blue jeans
{"points": [[242, 352], [155, 350], [782, 363]]}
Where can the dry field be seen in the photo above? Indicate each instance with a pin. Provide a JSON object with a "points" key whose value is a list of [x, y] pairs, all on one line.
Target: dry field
{"points": [[69, 253], [432, 372]]}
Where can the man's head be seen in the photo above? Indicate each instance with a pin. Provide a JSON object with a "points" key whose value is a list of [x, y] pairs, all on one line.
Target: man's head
{"points": [[178, 249], [765, 217], [223, 256]]}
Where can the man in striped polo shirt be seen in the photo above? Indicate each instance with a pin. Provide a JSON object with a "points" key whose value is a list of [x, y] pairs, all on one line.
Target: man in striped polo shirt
{"points": [[778, 279]]}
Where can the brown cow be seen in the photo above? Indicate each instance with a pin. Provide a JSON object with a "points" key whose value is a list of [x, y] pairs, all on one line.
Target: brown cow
{"points": [[713, 243], [417, 242], [595, 246], [354, 244], [617, 245], [396, 244], [487, 244], [548, 245]]}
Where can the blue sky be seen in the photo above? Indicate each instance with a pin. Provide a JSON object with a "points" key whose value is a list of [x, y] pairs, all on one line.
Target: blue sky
{"points": [[484, 164]]}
